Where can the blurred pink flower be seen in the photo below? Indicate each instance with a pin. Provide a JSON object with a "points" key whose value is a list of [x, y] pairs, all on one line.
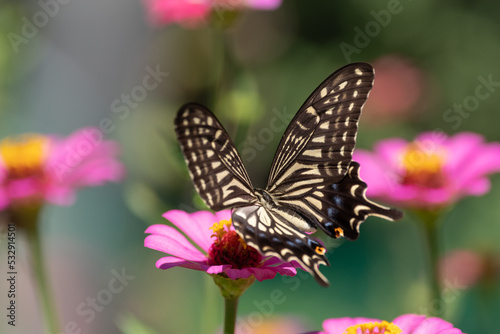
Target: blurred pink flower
{"points": [[399, 86], [463, 268], [196, 12], [432, 171], [265, 325], [404, 324], [37, 168], [222, 250]]}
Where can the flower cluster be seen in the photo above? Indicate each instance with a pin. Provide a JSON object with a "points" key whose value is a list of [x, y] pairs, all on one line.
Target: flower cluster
{"points": [[37, 168], [432, 171]]}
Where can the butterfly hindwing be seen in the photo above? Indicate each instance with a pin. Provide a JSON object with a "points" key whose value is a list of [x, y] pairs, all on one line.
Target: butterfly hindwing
{"points": [[274, 232], [213, 162], [344, 205]]}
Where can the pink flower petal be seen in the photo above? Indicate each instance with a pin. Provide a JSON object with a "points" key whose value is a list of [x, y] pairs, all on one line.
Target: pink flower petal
{"points": [[217, 269], [23, 188], [485, 160], [460, 147], [83, 159], [432, 325], [477, 187], [168, 262], [263, 4], [223, 215], [239, 273], [390, 151], [4, 199], [177, 11], [380, 178], [408, 322], [173, 242], [195, 225]]}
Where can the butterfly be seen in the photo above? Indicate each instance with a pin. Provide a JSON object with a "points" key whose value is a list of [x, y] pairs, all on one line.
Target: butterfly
{"points": [[313, 182]]}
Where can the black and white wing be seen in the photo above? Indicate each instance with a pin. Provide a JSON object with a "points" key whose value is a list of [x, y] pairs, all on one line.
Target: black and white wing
{"points": [[347, 206], [213, 162], [317, 145], [314, 156], [280, 232]]}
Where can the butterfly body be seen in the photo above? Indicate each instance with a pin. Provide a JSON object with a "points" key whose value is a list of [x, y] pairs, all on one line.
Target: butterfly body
{"points": [[313, 183]]}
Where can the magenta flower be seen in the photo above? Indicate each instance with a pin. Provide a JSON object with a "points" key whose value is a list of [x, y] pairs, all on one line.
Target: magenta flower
{"points": [[404, 324], [37, 168], [222, 250], [432, 171], [196, 12], [398, 90]]}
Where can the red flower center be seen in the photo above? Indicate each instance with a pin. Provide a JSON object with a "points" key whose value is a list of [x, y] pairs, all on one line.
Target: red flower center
{"points": [[229, 248], [423, 167]]}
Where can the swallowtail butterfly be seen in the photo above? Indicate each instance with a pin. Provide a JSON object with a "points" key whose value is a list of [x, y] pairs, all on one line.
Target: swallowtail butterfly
{"points": [[313, 183]]}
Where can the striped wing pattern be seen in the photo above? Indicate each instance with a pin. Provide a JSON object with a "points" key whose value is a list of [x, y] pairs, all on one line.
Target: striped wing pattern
{"points": [[344, 206], [213, 162], [312, 183], [317, 145], [275, 233]]}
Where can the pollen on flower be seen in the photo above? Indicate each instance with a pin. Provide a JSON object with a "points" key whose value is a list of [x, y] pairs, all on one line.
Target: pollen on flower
{"points": [[24, 156], [374, 328], [218, 228], [423, 167], [230, 248]]}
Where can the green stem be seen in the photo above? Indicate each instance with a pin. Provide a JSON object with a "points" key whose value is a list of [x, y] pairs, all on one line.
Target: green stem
{"points": [[230, 311], [231, 290], [433, 250], [430, 224], [39, 269]]}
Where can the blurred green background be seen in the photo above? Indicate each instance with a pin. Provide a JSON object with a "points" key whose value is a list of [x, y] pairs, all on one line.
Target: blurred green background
{"points": [[72, 70]]}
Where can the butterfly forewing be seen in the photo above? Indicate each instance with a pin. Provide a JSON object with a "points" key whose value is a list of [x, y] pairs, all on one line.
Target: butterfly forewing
{"points": [[213, 162], [317, 145]]}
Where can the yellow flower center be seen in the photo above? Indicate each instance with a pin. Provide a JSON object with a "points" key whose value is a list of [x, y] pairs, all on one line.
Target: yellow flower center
{"points": [[423, 167], [374, 328], [25, 155], [220, 228]]}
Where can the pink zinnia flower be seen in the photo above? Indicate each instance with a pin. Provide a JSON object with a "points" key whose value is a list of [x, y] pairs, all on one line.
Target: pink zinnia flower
{"points": [[404, 324], [37, 168], [222, 250], [432, 171], [196, 12]]}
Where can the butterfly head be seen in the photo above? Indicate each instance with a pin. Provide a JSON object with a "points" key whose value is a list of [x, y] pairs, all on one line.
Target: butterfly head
{"points": [[265, 199]]}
